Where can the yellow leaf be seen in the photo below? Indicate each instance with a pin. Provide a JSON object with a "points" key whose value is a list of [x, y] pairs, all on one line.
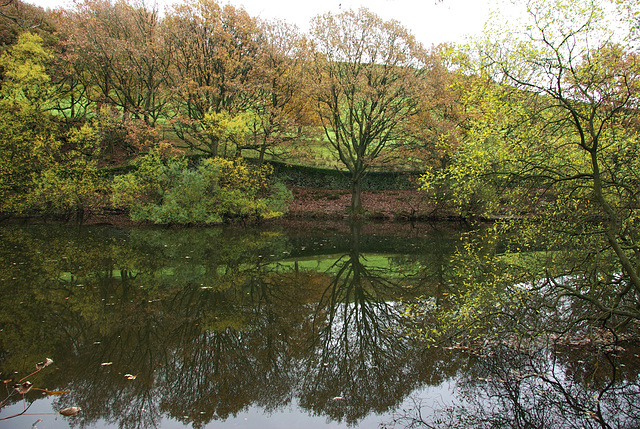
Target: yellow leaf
{"points": [[56, 392]]}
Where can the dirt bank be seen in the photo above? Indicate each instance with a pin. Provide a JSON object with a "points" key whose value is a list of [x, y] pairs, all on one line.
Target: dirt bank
{"points": [[390, 204], [308, 203]]}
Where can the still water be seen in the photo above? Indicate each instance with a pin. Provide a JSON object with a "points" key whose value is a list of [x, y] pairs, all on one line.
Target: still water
{"points": [[300, 325]]}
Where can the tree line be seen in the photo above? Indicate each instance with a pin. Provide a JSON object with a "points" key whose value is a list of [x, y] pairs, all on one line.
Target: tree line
{"points": [[103, 83], [527, 113]]}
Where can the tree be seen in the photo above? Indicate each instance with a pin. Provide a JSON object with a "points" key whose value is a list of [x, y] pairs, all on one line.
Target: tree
{"points": [[282, 111], [215, 52], [26, 82], [27, 140], [16, 16], [557, 128], [118, 53], [367, 85], [39, 172], [442, 120]]}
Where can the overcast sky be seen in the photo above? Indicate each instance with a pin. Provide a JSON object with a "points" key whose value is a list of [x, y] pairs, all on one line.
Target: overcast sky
{"points": [[430, 21]]}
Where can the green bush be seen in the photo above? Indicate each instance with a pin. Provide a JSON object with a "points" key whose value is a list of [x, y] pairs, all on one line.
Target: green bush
{"points": [[217, 190], [280, 198]]}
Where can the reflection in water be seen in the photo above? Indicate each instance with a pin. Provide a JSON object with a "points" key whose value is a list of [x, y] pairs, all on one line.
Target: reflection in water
{"points": [[576, 387], [361, 363], [212, 321], [196, 326]]}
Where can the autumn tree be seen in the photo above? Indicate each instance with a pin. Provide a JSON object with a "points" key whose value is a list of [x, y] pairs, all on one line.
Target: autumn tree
{"points": [[37, 172], [556, 131], [117, 56], [282, 110], [367, 78], [16, 17], [28, 143], [212, 72], [442, 120]]}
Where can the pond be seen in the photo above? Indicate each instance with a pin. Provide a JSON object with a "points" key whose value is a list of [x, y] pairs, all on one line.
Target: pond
{"points": [[296, 325]]}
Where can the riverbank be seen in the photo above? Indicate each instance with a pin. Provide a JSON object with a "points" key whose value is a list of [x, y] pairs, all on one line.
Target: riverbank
{"points": [[309, 203], [404, 204]]}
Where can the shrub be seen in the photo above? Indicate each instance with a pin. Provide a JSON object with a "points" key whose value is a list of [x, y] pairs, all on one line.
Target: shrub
{"points": [[73, 183], [280, 198], [217, 190]]}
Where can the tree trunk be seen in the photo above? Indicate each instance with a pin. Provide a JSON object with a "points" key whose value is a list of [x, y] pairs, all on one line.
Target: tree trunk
{"points": [[213, 146], [356, 202]]}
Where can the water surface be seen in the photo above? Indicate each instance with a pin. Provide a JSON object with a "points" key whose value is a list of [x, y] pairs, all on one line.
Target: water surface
{"points": [[297, 326]]}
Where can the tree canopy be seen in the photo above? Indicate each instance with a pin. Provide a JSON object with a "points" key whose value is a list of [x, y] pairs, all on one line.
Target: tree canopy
{"points": [[367, 86], [552, 149]]}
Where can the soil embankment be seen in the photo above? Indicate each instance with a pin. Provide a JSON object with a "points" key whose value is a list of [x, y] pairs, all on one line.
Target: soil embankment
{"points": [[320, 204], [401, 204]]}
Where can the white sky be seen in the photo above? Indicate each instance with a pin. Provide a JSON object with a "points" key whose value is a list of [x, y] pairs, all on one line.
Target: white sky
{"points": [[430, 21]]}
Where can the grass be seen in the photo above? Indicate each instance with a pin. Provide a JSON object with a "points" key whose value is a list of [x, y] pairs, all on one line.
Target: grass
{"points": [[312, 152], [330, 264]]}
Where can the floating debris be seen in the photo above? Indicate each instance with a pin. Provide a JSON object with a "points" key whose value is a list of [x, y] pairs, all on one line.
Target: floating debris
{"points": [[23, 388], [46, 363], [54, 392], [70, 411]]}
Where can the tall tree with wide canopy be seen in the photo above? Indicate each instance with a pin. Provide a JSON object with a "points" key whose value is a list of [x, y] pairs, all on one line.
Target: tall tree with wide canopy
{"points": [[116, 53], [556, 126], [367, 85], [213, 69], [282, 110]]}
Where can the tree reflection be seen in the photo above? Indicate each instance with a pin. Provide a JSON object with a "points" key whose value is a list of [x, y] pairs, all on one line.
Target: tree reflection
{"points": [[546, 320], [360, 363], [563, 387], [199, 325]]}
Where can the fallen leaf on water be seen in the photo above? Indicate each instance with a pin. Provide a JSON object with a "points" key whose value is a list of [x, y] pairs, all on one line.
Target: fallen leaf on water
{"points": [[23, 388], [44, 364], [55, 392], [106, 363], [130, 376], [71, 411]]}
